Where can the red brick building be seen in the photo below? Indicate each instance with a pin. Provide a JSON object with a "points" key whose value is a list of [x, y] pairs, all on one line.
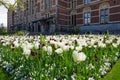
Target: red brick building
{"points": [[53, 15]]}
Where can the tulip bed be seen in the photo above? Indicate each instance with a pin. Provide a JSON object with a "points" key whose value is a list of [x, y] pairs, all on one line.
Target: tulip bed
{"points": [[59, 57]]}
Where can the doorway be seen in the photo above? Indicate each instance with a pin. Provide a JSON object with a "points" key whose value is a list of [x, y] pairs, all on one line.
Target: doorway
{"points": [[47, 26], [39, 27]]}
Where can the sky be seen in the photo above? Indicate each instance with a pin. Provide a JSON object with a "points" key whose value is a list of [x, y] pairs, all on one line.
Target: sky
{"points": [[3, 14]]}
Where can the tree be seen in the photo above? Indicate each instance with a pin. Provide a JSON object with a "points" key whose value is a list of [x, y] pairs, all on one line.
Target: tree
{"points": [[12, 6]]}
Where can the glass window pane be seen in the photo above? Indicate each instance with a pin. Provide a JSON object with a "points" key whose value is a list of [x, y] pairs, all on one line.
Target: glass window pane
{"points": [[104, 15], [102, 19], [85, 15], [106, 18], [85, 21], [89, 20], [88, 1], [85, 1], [102, 12], [106, 11], [88, 14]]}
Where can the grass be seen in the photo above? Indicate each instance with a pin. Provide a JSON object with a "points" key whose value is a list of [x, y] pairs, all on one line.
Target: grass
{"points": [[3, 75], [114, 74]]}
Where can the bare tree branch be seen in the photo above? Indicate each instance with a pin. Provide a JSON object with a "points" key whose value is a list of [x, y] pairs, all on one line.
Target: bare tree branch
{"points": [[13, 6]]}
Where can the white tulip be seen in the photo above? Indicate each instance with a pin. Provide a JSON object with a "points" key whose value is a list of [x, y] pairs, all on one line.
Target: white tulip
{"points": [[4, 44], [44, 48], [26, 51], [65, 48], [78, 48], [78, 57], [114, 45], [91, 78], [100, 44], [16, 43], [37, 45], [59, 51], [49, 50], [72, 47]]}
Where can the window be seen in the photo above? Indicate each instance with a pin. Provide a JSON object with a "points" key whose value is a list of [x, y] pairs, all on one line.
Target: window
{"points": [[87, 18], [86, 1], [38, 7], [73, 20], [48, 4], [104, 15], [47, 15], [73, 3]]}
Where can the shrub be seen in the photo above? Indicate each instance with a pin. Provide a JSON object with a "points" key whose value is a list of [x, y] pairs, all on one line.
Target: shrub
{"points": [[20, 33]]}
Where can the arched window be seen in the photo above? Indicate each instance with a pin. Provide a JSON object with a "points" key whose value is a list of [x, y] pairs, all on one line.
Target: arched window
{"points": [[87, 15]]}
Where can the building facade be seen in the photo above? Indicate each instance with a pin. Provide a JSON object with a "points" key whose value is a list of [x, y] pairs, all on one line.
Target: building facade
{"points": [[48, 16]]}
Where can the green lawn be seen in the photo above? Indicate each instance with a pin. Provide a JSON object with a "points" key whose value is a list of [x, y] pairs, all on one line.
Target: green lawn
{"points": [[114, 74], [3, 75]]}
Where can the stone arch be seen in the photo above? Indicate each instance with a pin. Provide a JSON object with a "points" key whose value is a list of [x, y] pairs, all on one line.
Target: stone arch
{"points": [[73, 12], [86, 9], [104, 5]]}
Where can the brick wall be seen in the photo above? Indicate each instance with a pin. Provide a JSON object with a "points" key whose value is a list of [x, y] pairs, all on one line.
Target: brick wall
{"points": [[63, 12]]}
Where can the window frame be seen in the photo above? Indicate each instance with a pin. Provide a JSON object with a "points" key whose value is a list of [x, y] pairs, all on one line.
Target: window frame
{"points": [[87, 18], [48, 4], [104, 15], [73, 4]]}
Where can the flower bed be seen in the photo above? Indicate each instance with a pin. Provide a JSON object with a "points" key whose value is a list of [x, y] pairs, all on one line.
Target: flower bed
{"points": [[61, 57]]}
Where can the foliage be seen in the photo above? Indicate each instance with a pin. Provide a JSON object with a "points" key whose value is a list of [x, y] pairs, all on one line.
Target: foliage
{"points": [[12, 6], [3, 29], [20, 33], [3, 75], [77, 30], [71, 26], [74, 30], [59, 57]]}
